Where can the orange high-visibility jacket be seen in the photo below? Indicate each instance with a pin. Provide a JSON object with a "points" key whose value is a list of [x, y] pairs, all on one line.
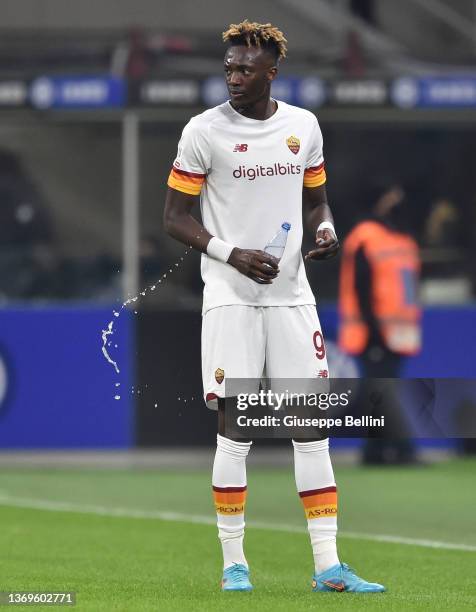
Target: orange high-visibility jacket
{"points": [[395, 267]]}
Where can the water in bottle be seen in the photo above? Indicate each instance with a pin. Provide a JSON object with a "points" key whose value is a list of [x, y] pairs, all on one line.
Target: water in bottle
{"points": [[277, 244]]}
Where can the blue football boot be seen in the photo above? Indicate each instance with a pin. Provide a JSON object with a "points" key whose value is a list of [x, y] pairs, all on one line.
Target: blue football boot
{"points": [[342, 578], [236, 578]]}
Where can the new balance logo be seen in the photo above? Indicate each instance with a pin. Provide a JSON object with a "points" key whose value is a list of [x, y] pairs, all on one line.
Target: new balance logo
{"points": [[240, 148]]}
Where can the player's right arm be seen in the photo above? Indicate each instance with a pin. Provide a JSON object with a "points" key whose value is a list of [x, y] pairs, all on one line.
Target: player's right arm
{"points": [[179, 222]]}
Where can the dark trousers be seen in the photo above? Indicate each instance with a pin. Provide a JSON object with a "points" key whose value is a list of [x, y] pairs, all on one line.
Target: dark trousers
{"points": [[378, 362]]}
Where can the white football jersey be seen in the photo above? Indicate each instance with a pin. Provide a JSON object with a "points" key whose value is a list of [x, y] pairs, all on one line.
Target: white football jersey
{"points": [[250, 174]]}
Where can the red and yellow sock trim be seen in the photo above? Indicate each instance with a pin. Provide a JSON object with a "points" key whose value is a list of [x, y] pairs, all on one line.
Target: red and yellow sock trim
{"points": [[187, 182], [229, 500], [314, 177], [319, 503]]}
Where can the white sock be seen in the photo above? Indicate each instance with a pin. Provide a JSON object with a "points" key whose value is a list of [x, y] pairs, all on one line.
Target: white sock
{"points": [[317, 489], [229, 493]]}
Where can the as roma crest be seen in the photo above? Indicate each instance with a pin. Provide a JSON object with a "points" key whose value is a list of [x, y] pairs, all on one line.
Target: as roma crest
{"points": [[294, 144], [219, 375]]}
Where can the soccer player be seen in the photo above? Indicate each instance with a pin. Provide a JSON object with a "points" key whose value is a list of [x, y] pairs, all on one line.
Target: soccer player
{"points": [[251, 163]]}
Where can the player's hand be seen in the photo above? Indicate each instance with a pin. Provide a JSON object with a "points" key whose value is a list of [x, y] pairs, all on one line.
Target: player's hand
{"points": [[257, 265], [327, 245]]}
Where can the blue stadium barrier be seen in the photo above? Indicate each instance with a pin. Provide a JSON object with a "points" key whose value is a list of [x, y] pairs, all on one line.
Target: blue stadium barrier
{"points": [[56, 388], [449, 342], [449, 351]]}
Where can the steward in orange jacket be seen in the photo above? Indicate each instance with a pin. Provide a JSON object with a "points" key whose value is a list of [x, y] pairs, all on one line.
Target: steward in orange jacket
{"points": [[387, 305], [378, 287], [379, 311]]}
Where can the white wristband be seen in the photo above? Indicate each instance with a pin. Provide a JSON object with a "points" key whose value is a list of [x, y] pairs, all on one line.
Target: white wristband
{"points": [[219, 249], [326, 225]]}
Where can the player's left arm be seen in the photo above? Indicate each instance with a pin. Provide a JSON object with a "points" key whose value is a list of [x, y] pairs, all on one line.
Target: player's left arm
{"points": [[317, 211]]}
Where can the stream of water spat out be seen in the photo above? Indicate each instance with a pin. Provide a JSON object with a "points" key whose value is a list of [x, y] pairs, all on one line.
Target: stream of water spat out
{"points": [[106, 334]]}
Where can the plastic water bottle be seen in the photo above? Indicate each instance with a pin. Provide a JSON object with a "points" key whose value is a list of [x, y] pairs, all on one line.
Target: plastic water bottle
{"points": [[277, 244]]}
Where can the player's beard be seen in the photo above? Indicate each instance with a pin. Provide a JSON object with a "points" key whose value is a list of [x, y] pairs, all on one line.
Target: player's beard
{"points": [[243, 105]]}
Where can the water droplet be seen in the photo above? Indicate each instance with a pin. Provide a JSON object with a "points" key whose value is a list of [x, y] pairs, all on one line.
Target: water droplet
{"points": [[142, 292], [117, 397], [153, 287], [118, 384], [160, 281], [135, 311], [164, 275], [170, 270], [181, 259], [105, 343], [115, 313], [115, 346], [155, 405]]}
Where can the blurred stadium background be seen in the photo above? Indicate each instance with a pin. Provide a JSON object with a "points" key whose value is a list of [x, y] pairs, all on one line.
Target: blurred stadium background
{"points": [[93, 98]]}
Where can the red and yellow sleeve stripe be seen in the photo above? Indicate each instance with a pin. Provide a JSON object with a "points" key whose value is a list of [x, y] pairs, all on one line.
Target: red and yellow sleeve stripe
{"points": [[188, 182], [319, 503], [314, 177], [229, 500]]}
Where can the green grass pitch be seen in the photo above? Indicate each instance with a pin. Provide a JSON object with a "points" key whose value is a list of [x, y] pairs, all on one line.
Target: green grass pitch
{"points": [[58, 532]]}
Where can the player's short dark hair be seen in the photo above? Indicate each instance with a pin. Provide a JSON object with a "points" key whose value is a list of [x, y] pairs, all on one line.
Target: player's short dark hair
{"points": [[252, 34]]}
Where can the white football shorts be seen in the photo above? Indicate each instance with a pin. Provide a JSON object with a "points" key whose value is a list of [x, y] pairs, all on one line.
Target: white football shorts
{"points": [[252, 342]]}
